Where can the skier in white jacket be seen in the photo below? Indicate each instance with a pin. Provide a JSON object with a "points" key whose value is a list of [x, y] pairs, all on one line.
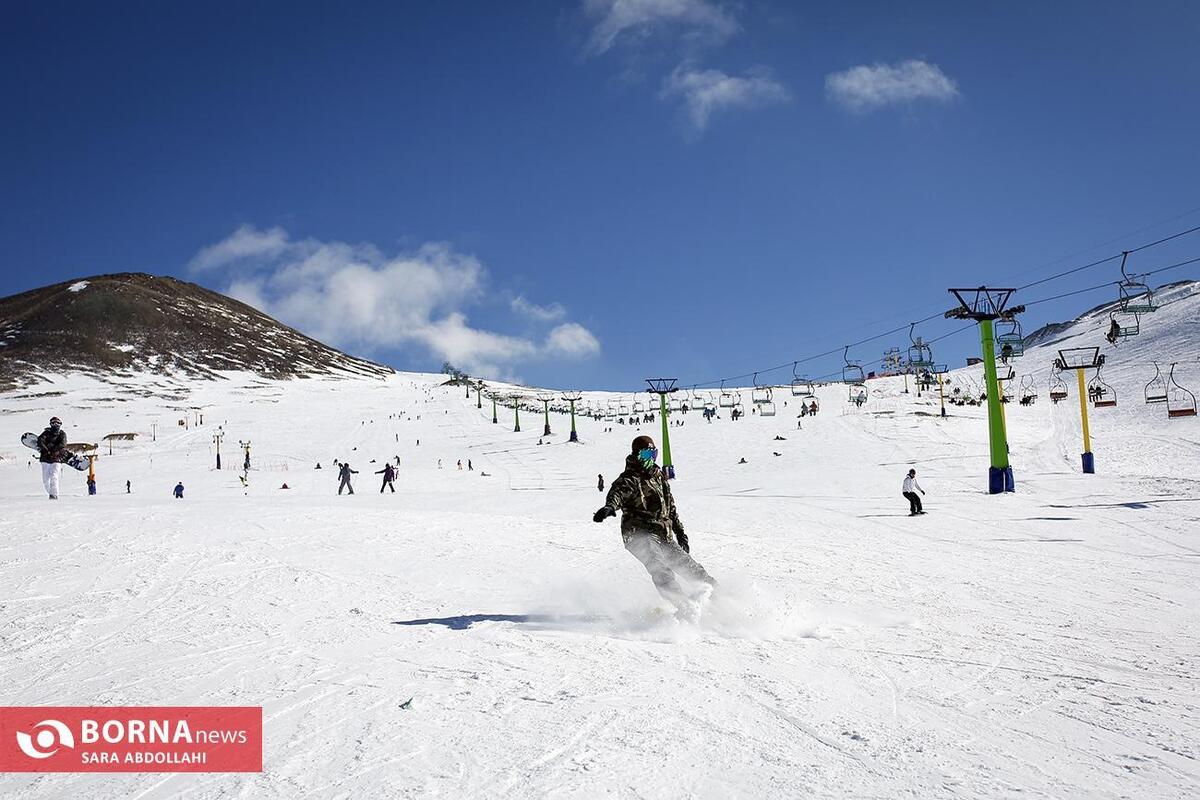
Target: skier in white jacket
{"points": [[911, 487]]}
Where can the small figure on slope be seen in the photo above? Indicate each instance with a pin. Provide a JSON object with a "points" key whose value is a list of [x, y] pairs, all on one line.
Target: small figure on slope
{"points": [[389, 475], [178, 492], [652, 532], [52, 449], [344, 477], [911, 487]]}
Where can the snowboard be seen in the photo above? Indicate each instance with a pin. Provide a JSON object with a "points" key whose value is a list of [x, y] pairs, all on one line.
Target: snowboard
{"points": [[72, 460]]}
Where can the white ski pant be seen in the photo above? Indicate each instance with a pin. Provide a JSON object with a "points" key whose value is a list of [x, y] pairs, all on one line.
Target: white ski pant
{"points": [[50, 475], [666, 561]]}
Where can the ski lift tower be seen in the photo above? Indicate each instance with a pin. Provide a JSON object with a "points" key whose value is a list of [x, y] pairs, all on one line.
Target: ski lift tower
{"points": [[478, 394], [1079, 359], [217, 437], [985, 306], [663, 387], [572, 398], [545, 399]]}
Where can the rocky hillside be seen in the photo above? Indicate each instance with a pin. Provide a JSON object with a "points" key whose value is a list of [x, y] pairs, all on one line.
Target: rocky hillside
{"points": [[117, 325]]}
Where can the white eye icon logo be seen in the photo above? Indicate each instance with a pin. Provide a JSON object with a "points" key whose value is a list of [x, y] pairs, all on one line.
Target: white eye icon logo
{"points": [[51, 734]]}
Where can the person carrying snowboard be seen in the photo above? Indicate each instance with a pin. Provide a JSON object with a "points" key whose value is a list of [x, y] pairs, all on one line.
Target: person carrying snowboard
{"points": [[52, 449], [911, 487], [344, 477], [652, 532], [389, 475]]}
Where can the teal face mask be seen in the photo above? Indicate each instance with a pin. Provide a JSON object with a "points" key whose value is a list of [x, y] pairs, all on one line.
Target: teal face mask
{"points": [[647, 455]]}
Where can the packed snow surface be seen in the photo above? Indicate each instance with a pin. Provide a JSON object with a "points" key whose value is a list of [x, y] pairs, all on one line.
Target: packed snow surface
{"points": [[1037, 644]]}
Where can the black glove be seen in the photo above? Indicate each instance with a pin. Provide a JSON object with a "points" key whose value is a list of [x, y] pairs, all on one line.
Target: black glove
{"points": [[681, 537], [604, 514]]}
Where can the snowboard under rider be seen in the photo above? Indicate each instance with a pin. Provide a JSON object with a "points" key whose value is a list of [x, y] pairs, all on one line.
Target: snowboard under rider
{"points": [[652, 532], [52, 449], [911, 487], [389, 475], [344, 474]]}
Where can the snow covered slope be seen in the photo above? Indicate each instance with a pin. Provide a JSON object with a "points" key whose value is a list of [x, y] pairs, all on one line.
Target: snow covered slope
{"points": [[1039, 644]]}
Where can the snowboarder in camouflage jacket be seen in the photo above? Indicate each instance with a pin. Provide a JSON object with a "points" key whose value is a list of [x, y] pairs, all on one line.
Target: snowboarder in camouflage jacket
{"points": [[652, 531], [52, 451]]}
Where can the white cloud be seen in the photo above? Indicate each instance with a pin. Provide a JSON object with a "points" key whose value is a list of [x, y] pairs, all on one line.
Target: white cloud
{"points": [[354, 296], [246, 242], [866, 88], [535, 312], [572, 340], [705, 92], [696, 21]]}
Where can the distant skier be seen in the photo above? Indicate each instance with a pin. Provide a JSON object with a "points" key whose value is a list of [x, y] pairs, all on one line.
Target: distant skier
{"points": [[128, 487], [652, 532], [344, 477], [389, 475], [52, 449], [914, 502], [470, 466], [600, 482], [178, 491]]}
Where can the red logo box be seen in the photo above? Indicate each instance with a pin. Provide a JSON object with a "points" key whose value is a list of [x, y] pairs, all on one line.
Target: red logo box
{"points": [[130, 739]]}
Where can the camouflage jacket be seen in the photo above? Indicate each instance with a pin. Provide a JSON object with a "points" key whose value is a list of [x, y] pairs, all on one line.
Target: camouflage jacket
{"points": [[52, 445], [644, 500]]}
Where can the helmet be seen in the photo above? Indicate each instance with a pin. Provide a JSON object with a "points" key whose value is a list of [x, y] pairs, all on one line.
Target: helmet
{"points": [[55, 422]]}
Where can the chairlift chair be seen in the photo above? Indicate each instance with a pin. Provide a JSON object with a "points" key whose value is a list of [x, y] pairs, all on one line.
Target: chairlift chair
{"points": [[1009, 339], [801, 386], [1100, 393], [852, 373], [1119, 328], [727, 399], [1180, 401], [674, 404], [1058, 387], [1028, 392], [639, 407], [1156, 389], [1135, 295], [766, 409], [760, 395], [920, 355]]}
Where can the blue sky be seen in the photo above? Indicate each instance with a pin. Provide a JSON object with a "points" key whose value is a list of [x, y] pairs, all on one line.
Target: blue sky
{"points": [[588, 193]]}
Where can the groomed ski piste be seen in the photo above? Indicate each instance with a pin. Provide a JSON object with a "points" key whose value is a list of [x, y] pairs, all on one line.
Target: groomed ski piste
{"points": [[1043, 644]]}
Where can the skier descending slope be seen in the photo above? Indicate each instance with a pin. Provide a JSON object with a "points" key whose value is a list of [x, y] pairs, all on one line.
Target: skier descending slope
{"points": [[52, 445], [914, 502], [652, 531]]}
